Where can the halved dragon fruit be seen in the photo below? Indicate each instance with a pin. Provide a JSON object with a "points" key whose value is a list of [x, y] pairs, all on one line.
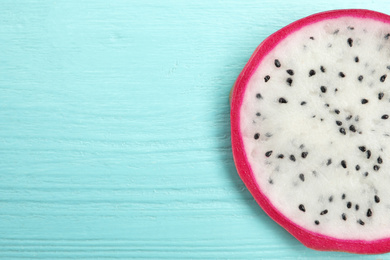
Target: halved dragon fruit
{"points": [[311, 129]]}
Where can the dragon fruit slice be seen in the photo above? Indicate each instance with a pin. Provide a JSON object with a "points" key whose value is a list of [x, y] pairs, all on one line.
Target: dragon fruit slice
{"points": [[311, 129]]}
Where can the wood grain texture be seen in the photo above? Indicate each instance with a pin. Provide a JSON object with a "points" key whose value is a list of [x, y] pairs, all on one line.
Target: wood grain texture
{"points": [[114, 129]]}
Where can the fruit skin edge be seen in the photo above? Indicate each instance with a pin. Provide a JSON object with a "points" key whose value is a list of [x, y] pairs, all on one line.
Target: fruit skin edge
{"points": [[308, 238]]}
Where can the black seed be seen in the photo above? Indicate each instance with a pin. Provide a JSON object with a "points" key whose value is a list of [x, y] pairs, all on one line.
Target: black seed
{"points": [[344, 164], [368, 154], [352, 128], [376, 198], [357, 207], [383, 78], [341, 74], [327, 105], [329, 162], [348, 117], [322, 69], [376, 167], [362, 148], [302, 177], [357, 118], [270, 181], [350, 28], [364, 101], [366, 174], [356, 59], [258, 114], [360, 78], [311, 38], [342, 130], [387, 36], [343, 196], [379, 160], [330, 198], [257, 135], [369, 213], [303, 103], [336, 32], [350, 41], [380, 95], [289, 81], [317, 222], [290, 72], [302, 208], [282, 100], [277, 63], [304, 154], [339, 123], [349, 204], [292, 158], [312, 73], [323, 89], [344, 217], [385, 117], [360, 222], [335, 90], [280, 156], [266, 78], [268, 154], [337, 111], [388, 67], [258, 95], [357, 167], [324, 212]]}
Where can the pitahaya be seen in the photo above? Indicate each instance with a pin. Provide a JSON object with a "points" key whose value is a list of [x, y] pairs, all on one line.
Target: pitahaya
{"points": [[311, 129]]}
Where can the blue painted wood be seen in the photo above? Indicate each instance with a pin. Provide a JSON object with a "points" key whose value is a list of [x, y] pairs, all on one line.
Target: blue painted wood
{"points": [[114, 129]]}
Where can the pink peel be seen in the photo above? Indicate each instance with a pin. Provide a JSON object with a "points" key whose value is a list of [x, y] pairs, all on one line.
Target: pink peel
{"points": [[308, 238]]}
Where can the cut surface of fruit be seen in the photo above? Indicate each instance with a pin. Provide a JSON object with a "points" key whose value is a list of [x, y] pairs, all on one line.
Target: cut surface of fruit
{"points": [[311, 129]]}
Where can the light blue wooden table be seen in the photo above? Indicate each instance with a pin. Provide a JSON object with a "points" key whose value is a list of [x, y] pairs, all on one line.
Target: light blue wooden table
{"points": [[114, 129]]}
